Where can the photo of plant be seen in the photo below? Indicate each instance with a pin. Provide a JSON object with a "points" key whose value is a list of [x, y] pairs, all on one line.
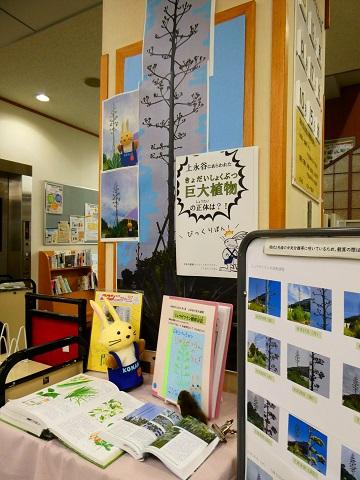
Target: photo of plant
{"points": [[82, 394], [119, 203], [310, 306], [120, 130], [351, 387], [350, 464], [264, 351], [263, 414], [107, 410], [307, 443], [309, 369], [77, 380], [99, 442], [352, 314], [254, 472], [50, 392], [166, 437], [264, 296], [197, 428]]}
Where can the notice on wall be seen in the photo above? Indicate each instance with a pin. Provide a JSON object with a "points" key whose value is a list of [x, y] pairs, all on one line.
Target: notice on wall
{"points": [[303, 361], [217, 204], [308, 157], [54, 198], [308, 88], [91, 222], [337, 147], [77, 229]]}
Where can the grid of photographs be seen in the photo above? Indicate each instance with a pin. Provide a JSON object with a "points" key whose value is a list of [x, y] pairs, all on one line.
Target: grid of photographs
{"points": [[313, 308]]}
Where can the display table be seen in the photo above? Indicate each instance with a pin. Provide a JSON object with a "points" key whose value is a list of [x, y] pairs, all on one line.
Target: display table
{"points": [[25, 457]]}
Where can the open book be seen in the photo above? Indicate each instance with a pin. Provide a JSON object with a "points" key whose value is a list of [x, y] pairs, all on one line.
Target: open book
{"points": [[191, 351], [99, 422], [76, 411], [182, 444]]}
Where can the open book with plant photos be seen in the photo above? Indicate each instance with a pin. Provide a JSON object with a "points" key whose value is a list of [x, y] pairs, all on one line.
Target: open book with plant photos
{"points": [[181, 443], [99, 422], [76, 411]]}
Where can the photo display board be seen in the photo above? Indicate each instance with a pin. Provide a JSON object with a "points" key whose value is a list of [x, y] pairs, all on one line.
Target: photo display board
{"points": [[299, 355]]}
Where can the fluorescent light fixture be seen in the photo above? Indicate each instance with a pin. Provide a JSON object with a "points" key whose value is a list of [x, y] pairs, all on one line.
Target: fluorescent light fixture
{"points": [[42, 97]]}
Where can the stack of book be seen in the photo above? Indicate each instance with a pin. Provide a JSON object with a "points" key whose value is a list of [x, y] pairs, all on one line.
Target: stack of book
{"points": [[60, 285], [72, 258]]}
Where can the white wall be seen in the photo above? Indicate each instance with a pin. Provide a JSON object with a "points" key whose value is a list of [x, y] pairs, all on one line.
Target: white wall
{"points": [[55, 151]]}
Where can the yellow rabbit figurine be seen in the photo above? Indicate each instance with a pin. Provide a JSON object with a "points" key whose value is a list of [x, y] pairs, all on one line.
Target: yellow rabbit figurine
{"points": [[127, 146], [119, 338]]}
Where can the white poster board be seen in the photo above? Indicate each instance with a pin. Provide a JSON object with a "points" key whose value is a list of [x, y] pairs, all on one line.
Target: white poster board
{"points": [[303, 358], [216, 205]]}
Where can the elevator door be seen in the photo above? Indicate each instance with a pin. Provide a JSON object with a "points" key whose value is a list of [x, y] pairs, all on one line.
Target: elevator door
{"points": [[4, 207]]}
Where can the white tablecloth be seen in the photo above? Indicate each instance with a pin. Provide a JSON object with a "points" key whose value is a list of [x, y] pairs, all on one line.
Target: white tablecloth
{"points": [[25, 457]]}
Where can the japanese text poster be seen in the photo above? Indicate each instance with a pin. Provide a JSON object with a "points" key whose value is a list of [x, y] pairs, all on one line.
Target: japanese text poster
{"points": [[217, 204]]}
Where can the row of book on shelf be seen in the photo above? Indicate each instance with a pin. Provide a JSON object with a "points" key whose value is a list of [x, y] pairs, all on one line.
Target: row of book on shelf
{"points": [[110, 422], [72, 258], [60, 284]]}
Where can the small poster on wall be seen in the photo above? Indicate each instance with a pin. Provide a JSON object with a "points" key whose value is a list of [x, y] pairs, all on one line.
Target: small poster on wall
{"points": [[77, 227], [91, 222], [63, 232], [54, 198], [217, 205]]}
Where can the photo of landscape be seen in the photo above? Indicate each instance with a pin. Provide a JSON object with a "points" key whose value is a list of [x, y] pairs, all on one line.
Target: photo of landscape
{"points": [[309, 369], [310, 306], [264, 296], [263, 414], [264, 351], [307, 443], [254, 472], [350, 464], [352, 314], [351, 387]]}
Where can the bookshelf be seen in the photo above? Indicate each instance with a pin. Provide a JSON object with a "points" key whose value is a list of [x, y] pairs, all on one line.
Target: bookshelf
{"points": [[47, 276]]}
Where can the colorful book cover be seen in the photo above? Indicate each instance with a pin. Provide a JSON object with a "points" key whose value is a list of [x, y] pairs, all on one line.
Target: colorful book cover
{"points": [[185, 350], [128, 306]]}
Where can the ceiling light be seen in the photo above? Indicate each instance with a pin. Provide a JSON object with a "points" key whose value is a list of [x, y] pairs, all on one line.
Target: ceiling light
{"points": [[92, 82], [42, 97]]}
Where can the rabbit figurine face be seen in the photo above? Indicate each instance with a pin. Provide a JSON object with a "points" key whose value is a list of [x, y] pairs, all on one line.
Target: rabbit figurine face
{"points": [[116, 335], [126, 136]]}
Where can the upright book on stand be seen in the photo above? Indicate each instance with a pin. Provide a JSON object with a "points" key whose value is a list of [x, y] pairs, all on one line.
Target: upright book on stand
{"points": [[191, 351]]}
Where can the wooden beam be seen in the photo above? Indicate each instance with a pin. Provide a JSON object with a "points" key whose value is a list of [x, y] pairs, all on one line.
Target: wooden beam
{"points": [[121, 55], [104, 82], [278, 116]]}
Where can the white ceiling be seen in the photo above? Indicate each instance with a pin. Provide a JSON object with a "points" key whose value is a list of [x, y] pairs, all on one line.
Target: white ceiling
{"points": [[51, 46]]}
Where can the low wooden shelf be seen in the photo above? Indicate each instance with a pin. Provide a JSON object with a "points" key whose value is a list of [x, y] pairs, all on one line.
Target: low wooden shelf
{"points": [[73, 274]]}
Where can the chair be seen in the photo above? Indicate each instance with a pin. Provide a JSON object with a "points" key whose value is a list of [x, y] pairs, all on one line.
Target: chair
{"points": [[43, 326]]}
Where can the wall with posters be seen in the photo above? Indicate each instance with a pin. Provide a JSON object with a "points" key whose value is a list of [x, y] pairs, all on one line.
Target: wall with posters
{"points": [[55, 151], [132, 30]]}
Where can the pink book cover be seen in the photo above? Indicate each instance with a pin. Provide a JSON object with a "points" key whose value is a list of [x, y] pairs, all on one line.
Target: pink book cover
{"points": [[185, 350]]}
